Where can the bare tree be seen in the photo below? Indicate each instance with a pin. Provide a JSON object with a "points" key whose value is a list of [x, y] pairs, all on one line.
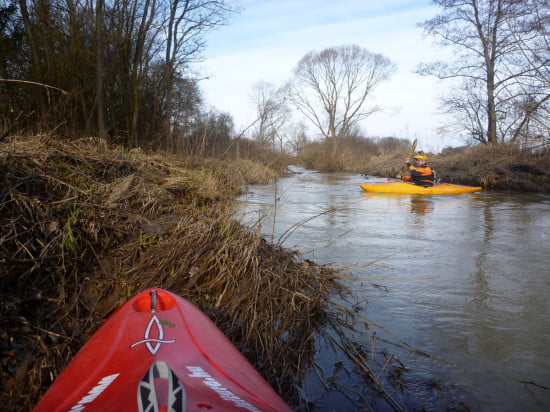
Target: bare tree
{"points": [[532, 108], [330, 88], [488, 37], [272, 114], [124, 64], [466, 105], [298, 137], [187, 21]]}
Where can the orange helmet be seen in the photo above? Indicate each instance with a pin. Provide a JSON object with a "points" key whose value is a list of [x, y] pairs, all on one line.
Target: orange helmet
{"points": [[421, 156]]}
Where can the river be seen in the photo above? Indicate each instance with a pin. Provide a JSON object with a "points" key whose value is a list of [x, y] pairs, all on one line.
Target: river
{"points": [[464, 278]]}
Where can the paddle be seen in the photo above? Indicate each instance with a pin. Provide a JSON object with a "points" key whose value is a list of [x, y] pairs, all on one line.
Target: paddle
{"points": [[413, 148]]}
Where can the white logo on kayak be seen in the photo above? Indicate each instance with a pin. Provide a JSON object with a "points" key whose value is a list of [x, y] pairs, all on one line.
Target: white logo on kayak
{"points": [[94, 392], [225, 394], [153, 324]]}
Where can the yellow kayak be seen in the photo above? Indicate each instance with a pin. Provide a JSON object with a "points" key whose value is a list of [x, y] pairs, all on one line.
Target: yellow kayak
{"points": [[402, 187]]}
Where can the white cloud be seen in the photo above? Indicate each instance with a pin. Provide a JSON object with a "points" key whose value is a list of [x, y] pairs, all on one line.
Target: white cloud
{"points": [[268, 39]]}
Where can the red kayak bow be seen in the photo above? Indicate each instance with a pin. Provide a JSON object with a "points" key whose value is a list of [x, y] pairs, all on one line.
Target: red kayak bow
{"points": [[158, 352]]}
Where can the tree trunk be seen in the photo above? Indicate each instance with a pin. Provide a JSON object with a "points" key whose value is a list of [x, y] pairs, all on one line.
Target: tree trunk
{"points": [[491, 110], [35, 57], [99, 70]]}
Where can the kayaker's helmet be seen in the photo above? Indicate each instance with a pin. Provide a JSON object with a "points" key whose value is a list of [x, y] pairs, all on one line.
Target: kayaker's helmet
{"points": [[421, 156]]}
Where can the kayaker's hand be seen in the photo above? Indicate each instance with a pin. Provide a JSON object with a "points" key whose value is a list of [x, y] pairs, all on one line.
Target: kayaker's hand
{"points": [[398, 177], [407, 159]]}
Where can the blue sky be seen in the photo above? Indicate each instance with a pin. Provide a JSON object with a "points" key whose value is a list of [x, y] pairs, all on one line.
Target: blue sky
{"points": [[268, 38]]}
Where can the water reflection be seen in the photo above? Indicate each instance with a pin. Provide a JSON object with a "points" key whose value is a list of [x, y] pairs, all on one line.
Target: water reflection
{"points": [[481, 290], [421, 205]]}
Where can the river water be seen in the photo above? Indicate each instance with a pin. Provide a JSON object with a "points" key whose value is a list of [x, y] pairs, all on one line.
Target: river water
{"points": [[464, 278]]}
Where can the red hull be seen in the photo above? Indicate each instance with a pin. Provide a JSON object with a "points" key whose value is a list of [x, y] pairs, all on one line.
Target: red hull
{"points": [[174, 356]]}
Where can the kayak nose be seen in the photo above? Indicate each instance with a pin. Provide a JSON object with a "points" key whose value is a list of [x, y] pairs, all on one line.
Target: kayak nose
{"points": [[154, 301]]}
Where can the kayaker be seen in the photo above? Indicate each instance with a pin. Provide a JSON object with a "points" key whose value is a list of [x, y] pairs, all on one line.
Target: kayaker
{"points": [[421, 173]]}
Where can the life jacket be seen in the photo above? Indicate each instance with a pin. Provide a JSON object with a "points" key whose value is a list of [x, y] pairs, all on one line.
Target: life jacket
{"points": [[422, 175]]}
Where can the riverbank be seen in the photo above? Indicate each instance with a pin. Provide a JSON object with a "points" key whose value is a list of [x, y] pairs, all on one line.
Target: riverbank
{"points": [[85, 225], [503, 168]]}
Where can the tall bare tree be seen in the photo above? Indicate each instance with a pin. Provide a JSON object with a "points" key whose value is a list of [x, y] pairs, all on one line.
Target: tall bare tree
{"points": [[187, 21], [331, 87], [488, 38], [532, 110]]}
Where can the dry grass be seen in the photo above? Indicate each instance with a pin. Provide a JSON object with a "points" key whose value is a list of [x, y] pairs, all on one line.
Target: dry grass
{"points": [[347, 155], [504, 167], [386, 165], [83, 226]]}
